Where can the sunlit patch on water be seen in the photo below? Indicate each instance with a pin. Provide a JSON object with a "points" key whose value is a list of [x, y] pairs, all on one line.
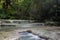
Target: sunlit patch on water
{"points": [[29, 36]]}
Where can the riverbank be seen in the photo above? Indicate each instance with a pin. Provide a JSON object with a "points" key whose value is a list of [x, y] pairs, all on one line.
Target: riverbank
{"points": [[13, 34]]}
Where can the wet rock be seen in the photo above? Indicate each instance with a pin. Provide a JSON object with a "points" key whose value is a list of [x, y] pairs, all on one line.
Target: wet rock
{"points": [[38, 35], [29, 31], [46, 38], [34, 36]]}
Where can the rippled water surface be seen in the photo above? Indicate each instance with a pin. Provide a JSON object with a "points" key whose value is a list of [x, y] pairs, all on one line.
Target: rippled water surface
{"points": [[29, 36], [51, 32]]}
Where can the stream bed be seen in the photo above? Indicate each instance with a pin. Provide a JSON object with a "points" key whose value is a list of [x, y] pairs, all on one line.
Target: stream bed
{"points": [[29, 36]]}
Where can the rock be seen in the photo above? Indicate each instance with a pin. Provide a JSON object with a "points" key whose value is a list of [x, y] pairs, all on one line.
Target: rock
{"points": [[46, 38], [42, 37], [29, 31]]}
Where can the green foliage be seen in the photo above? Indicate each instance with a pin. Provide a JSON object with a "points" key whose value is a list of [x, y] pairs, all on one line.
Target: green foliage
{"points": [[40, 10]]}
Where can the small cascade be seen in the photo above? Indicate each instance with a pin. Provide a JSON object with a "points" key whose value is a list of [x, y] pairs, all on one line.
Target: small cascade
{"points": [[29, 36]]}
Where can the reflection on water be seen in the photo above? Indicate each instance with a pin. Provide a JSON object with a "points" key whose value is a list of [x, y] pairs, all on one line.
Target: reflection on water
{"points": [[29, 36]]}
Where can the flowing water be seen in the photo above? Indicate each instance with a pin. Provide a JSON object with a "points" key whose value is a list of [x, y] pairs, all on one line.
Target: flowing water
{"points": [[37, 28], [29, 36]]}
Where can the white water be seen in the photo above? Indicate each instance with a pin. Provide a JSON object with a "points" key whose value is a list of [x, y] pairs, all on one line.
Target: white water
{"points": [[29, 36]]}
